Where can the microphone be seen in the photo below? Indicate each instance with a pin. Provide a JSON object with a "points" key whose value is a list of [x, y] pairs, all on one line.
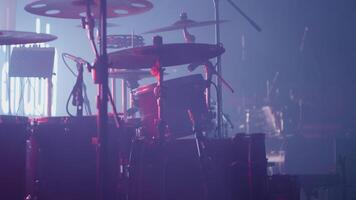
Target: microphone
{"points": [[76, 59], [192, 66]]}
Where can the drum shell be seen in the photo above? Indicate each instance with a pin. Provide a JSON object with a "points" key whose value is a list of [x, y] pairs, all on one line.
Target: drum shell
{"points": [[179, 96], [13, 135], [64, 160]]}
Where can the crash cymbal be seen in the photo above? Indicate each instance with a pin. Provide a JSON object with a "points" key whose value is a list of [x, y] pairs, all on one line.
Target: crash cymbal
{"points": [[124, 41], [76, 9], [21, 37], [183, 23], [166, 54]]}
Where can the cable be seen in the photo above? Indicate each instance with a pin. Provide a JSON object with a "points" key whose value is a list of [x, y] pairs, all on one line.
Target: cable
{"points": [[21, 99], [67, 104]]}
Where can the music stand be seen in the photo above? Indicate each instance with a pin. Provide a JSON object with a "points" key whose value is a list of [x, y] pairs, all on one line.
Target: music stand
{"points": [[33, 62]]}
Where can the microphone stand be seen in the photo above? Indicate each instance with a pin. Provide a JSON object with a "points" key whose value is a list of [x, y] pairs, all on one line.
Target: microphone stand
{"points": [[78, 91], [209, 72], [101, 78], [86, 99], [200, 142], [218, 59]]}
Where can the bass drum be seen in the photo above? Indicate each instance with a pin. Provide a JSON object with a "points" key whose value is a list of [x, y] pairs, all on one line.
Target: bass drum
{"points": [[63, 157], [180, 95]]}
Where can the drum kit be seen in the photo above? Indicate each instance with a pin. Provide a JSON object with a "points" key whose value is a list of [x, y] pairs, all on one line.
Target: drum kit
{"points": [[169, 109]]}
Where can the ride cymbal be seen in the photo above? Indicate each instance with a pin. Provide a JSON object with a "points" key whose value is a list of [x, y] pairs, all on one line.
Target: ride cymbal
{"points": [[166, 54]]}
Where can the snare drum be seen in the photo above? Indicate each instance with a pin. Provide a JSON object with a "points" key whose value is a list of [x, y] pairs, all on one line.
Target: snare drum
{"points": [[182, 94]]}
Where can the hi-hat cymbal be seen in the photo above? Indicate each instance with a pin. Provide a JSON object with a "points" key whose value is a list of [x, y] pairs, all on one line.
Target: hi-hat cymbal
{"points": [[21, 37], [76, 9], [166, 54], [183, 23], [124, 41]]}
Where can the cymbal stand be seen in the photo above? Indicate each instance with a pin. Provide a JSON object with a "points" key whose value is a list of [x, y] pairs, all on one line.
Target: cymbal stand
{"points": [[218, 60], [124, 98], [209, 72], [219, 108], [158, 71]]}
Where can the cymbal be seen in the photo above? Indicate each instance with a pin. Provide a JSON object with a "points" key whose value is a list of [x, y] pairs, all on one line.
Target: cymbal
{"points": [[124, 41], [76, 9], [166, 54], [183, 23], [21, 37]]}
